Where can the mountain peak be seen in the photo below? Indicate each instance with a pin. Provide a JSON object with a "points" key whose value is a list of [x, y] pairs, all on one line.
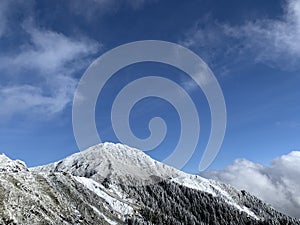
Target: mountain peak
{"points": [[114, 162], [8, 165]]}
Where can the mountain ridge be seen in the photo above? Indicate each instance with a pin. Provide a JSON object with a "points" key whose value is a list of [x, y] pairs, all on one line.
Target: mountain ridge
{"points": [[116, 184], [149, 170]]}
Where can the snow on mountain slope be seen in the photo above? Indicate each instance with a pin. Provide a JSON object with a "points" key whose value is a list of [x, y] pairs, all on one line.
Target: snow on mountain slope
{"points": [[214, 188], [118, 205], [112, 161], [47, 198], [115, 184], [120, 163]]}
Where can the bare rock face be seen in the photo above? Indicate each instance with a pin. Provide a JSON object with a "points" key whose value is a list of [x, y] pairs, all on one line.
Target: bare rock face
{"points": [[115, 184]]}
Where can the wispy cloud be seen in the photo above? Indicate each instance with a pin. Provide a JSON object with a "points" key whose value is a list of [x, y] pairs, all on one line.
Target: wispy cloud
{"points": [[206, 35], [48, 52], [9, 10], [93, 9], [52, 58], [3, 7], [31, 99], [38, 74], [288, 124], [280, 179], [275, 42]]}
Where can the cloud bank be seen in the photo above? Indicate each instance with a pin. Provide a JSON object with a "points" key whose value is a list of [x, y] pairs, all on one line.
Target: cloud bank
{"points": [[277, 184]]}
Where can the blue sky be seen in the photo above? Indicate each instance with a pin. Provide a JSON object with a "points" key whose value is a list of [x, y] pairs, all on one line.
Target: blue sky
{"points": [[251, 46]]}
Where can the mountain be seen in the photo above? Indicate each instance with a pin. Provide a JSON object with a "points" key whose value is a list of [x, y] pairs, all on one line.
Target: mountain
{"points": [[115, 184], [8, 165]]}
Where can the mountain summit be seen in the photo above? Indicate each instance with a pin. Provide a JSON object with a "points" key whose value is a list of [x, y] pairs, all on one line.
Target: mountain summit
{"points": [[8, 165], [116, 162], [115, 184]]}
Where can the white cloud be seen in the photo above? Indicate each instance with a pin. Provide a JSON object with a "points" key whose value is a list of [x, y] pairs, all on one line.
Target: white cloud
{"points": [[52, 59], [278, 184], [272, 41], [48, 52], [30, 99], [38, 75]]}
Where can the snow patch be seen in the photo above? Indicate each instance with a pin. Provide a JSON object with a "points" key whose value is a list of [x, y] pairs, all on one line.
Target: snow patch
{"points": [[103, 216], [120, 207], [211, 187]]}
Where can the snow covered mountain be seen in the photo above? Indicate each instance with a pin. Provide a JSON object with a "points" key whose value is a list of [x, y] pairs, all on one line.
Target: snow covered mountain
{"points": [[115, 162], [8, 165], [115, 184]]}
